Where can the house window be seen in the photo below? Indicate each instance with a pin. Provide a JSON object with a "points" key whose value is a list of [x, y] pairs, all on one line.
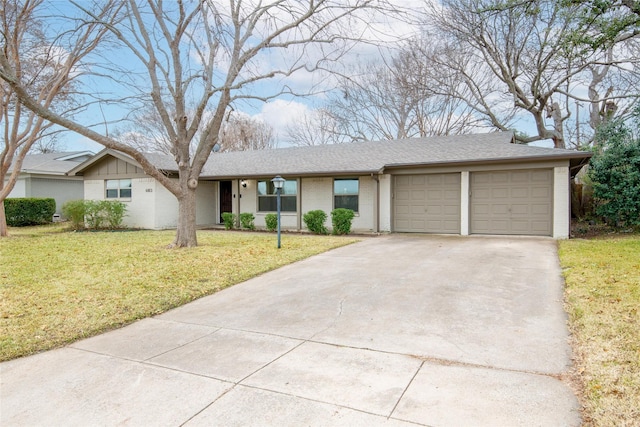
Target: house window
{"points": [[118, 188], [267, 199], [345, 193]]}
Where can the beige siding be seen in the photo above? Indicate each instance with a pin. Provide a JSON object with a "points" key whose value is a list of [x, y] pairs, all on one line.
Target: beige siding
{"points": [[110, 167]]}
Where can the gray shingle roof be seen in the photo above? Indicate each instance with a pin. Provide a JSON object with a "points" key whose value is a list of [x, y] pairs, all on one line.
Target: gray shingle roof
{"points": [[373, 157], [362, 157]]}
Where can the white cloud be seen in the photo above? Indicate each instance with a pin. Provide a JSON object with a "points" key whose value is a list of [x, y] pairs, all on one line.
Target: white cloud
{"points": [[280, 114]]}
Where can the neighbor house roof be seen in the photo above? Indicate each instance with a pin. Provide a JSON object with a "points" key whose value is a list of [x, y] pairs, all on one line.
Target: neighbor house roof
{"points": [[53, 163], [363, 157]]}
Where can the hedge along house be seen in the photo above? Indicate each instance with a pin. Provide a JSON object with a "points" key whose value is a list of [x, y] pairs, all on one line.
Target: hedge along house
{"points": [[467, 184], [46, 176]]}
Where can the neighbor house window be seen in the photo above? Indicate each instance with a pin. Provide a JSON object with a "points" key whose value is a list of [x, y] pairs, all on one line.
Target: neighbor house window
{"points": [[118, 188], [267, 199], [345, 193]]}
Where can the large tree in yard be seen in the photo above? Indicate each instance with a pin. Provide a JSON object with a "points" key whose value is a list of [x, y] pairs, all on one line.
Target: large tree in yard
{"points": [[190, 61], [46, 73], [517, 59]]}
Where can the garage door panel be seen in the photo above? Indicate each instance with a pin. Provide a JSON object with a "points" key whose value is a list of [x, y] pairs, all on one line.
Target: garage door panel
{"points": [[512, 202], [541, 192], [432, 205]]}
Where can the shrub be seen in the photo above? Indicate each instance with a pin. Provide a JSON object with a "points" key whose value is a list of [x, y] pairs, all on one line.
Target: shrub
{"points": [[341, 220], [74, 211], [229, 220], [615, 174], [314, 220], [114, 212], [246, 221], [29, 211], [95, 214], [271, 220]]}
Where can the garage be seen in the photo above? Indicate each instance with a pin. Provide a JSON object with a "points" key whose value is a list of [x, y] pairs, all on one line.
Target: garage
{"points": [[512, 202], [427, 203]]}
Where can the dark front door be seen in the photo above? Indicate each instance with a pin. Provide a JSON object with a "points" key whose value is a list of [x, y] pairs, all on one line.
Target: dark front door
{"points": [[226, 198]]}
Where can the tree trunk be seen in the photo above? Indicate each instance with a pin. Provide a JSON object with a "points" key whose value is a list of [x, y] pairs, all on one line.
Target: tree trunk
{"points": [[186, 228], [558, 134], [4, 232]]}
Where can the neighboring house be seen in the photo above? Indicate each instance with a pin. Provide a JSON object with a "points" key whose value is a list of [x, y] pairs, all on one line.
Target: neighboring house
{"points": [[45, 175], [467, 184]]}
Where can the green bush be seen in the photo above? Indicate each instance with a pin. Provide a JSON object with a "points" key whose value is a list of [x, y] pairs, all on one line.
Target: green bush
{"points": [[74, 211], [615, 173], [341, 220], [229, 220], [271, 220], [314, 220], [21, 212], [114, 212], [247, 221], [95, 214]]}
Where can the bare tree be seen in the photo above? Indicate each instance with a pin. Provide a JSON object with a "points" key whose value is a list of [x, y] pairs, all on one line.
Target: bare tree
{"points": [[36, 64], [518, 61], [315, 127], [192, 60], [241, 132], [390, 99]]}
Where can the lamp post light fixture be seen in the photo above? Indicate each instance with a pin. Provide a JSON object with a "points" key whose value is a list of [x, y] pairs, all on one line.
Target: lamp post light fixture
{"points": [[278, 183]]}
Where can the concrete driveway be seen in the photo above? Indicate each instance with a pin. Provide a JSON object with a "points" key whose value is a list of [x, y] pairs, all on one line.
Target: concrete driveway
{"points": [[395, 330]]}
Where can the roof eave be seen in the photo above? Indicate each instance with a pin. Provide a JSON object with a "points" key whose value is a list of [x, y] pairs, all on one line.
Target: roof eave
{"points": [[498, 160], [292, 174]]}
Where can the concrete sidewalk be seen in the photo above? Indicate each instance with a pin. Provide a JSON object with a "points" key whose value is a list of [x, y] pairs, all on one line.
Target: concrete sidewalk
{"points": [[395, 330]]}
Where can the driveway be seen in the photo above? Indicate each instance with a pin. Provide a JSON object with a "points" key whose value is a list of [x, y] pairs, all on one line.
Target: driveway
{"points": [[395, 331]]}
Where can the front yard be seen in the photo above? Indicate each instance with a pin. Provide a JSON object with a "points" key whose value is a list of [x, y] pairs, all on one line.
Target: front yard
{"points": [[57, 287], [602, 299]]}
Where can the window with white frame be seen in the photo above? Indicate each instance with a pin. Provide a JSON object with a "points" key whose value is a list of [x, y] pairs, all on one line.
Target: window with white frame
{"points": [[267, 198], [118, 188], [346, 193]]}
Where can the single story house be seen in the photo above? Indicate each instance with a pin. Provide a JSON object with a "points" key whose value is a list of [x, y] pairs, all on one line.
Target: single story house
{"points": [[465, 184], [45, 175]]}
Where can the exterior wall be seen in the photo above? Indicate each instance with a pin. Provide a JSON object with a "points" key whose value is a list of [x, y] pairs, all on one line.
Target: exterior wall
{"points": [[153, 207], [206, 203], [561, 202], [60, 189], [464, 203], [313, 193], [386, 202], [19, 189]]}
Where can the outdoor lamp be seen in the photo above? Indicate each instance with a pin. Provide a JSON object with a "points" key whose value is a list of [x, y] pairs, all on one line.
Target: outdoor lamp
{"points": [[278, 183]]}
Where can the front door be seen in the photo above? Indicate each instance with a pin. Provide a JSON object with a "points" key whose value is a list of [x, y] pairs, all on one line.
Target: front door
{"points": [[226, 198]]}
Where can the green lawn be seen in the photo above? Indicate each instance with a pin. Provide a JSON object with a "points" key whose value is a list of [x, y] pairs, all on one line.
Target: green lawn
{"points": [[603, 301], [58, 286]]}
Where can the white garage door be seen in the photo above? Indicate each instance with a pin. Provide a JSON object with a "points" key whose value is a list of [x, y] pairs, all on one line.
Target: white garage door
{"points": [[427, 203], [512, 202]]}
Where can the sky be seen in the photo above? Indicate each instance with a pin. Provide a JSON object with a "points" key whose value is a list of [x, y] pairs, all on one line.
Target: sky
{"points": [[278, 113]]}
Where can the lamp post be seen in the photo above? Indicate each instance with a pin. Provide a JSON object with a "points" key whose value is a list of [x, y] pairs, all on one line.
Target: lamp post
{"points": [[278, 183]]}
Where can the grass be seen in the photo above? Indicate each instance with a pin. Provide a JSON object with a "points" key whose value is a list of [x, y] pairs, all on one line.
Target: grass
{"points": [[57, 287], [603, 301]]}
